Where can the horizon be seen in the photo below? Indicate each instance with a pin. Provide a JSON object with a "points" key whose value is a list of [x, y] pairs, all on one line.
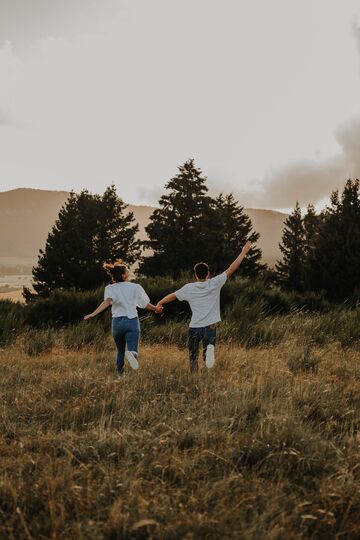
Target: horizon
{"points": [[279, 211]]}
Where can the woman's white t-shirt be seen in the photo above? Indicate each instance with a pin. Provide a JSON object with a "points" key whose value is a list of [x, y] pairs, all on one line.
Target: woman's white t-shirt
{"points": [[125, 298]]}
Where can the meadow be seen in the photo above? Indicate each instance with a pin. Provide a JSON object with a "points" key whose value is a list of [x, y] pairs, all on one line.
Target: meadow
{"points": [[265, 445]]}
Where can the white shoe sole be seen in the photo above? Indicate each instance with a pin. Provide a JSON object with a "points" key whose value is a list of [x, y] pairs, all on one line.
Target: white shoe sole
{"points": [[210, 356], [131, 358]]}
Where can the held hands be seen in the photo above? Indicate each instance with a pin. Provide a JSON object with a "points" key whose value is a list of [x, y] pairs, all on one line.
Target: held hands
{"points": [[159, 308]]}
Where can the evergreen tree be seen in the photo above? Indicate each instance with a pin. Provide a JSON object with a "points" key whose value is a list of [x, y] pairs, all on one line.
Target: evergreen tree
{"points": [[336, 257], [290, 270], [89, 230], [180, 232], [116, 235], [234, 229], [311, 223], [311, 226]]}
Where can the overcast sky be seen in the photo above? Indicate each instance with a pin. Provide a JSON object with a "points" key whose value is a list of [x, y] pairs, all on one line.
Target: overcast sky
{"points": [[265, 95]]}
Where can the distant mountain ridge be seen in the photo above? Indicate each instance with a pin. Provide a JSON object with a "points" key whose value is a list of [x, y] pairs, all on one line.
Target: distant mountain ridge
{"points": [[27, 215]]}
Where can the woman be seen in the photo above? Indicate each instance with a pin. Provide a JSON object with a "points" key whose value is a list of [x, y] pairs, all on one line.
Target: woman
{"points": [[124, 297]]}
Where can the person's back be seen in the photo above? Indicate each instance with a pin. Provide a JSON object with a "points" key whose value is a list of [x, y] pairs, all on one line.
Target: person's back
{"points": [[203, 296], [125, 298], [204, 300]]}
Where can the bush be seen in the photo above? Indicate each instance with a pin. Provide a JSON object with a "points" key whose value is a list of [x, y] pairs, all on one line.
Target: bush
{"points": [[12, 321], [257, 298], [77, 336], [340, 325], [36, 342], [62, 308], [255, 314], [169, 333]]}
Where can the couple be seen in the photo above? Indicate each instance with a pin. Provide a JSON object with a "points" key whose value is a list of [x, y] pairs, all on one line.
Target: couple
{"points": [[203, 296]]}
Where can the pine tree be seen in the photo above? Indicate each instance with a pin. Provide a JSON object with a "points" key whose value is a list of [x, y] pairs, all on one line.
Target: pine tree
{"points": [[290, 270], [311, 223], [116, 235], [89, 230], [180, 231], [336, 258], [234, 230], [311, 227]]}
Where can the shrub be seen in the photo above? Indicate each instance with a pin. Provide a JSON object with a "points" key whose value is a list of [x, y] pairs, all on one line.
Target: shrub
{"points": [[12, 321], [36, 342], [77, 336], [169, 333], [62, 308]]}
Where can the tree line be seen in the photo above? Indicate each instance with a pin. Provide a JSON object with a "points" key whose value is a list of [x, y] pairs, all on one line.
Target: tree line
{"points": [[320, 252]]}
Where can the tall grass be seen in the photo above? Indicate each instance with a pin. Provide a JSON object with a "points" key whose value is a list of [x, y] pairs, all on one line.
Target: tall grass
{"points": [[36, 342], [250, 325], [252, 449], [12, 319], [78, 336]]}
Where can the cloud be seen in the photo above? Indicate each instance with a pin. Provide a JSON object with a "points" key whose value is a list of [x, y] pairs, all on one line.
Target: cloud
{"points": [[135, 101], [348, 136], [356, 32], [23, 23], [306, 182], [313, 180], [5, 119]]}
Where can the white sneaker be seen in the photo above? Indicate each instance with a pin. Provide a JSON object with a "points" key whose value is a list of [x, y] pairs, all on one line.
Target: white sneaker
{"points": [[210, 356], [131, 358]]}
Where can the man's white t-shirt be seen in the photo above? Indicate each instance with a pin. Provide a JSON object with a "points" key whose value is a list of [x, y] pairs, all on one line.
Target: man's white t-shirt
{"points": [[126, 297], [204, 300]]}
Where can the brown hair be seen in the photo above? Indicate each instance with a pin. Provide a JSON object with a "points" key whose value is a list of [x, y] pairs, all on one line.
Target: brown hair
{"points": [[201, 270], [115, 270]]}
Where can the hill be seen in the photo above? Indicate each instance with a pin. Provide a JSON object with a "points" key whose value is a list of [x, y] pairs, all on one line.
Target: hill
{"points": [[26, 216]]}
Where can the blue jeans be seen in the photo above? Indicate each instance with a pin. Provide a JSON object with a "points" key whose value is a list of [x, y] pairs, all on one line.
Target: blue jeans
{"points": [[206, 334], [125, 331]]}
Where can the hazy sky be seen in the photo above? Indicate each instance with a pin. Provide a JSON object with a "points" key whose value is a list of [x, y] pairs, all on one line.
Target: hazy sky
{"points": [[265, 95]]}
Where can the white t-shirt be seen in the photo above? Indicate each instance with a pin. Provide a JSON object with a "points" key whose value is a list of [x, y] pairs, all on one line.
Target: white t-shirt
{"points": [[126, 297], [204, 300]]}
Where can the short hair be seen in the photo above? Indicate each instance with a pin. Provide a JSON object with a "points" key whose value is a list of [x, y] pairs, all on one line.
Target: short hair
{"points": [[115, 270], [201, 270]]}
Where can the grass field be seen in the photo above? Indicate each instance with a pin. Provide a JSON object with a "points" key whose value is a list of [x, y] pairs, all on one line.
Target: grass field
{"points": [[265, 445]]}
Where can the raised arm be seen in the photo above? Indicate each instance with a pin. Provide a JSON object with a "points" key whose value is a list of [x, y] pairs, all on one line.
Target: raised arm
{"points": [[104, 305], [239, 259]]}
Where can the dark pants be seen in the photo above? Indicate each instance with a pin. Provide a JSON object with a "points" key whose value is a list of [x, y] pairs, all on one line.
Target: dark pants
{"points": [[125, 331], [206, 334]]}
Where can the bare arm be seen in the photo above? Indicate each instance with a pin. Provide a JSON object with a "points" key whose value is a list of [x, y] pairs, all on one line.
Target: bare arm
{"points": [[156, 309], [169, 298], [104, 305], [239, 259]]}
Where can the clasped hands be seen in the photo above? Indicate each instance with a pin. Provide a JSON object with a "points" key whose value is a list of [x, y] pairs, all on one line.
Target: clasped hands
{"points": [[159, 308]]}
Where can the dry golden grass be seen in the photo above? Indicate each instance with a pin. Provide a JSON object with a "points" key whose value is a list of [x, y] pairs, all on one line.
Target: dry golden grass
{"points": [[265, 445]]}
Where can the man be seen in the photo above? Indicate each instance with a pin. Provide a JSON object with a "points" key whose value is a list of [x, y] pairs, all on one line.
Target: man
{"points": [[203, 295]]}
